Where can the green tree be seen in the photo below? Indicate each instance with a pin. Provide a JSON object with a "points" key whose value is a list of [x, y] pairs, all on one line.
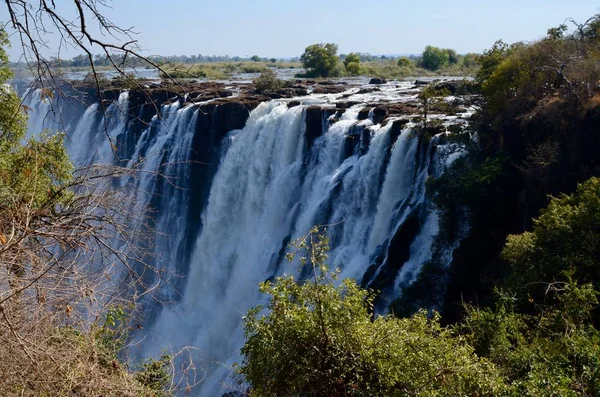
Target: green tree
{"points": [[554, 351], [255, 58], [469, 61], [490, 59], [351, 58], [404, 62], [557, 33], [434, 58], [564, 243], [321, 60], [353, 69], [429, 98], [453, 57], [352, 64], [320, 339]]}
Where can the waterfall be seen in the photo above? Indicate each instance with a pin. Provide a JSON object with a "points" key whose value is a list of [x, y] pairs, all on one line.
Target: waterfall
{"points": [[365, 181]]}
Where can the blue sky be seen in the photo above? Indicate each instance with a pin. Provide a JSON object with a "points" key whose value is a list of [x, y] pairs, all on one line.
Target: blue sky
{"points": [[284, 28]]}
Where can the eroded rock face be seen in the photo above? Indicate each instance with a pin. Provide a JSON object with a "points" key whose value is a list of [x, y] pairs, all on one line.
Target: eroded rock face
{"points": [[314, 124]]}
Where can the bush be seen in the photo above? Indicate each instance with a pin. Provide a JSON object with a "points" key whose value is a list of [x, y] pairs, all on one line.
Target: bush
{"points": [[352, 64], [58, 252], [353, 68], [405, 62], [434, 58], [552, 352], [321, 60], [564, 243], [319, 339], [267, 82]]}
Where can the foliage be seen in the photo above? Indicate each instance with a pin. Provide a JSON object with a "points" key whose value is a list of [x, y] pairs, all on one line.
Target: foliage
{"points": [[156, 374], [429, 98], [321, 60], [426, 292], [490, 59], [267, 82], [218, 70], [552, 352], [319, 338], [351, 58], [434, 58], [564, 243], [352, 64], [453, 57], [470, 61], [470, 188], [353, 68], [405, 62], [58, 230]]}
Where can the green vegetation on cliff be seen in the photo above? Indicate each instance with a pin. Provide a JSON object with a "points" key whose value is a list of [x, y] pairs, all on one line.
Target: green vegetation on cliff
{"points": [[63, 328], [520, 313], [319, 339]]}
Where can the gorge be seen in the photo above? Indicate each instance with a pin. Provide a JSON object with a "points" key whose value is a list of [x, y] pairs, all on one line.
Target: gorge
{"points": [[232, 177]]}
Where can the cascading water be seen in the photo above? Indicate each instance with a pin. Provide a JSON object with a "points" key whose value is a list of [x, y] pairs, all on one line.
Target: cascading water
{"points": [[365, 181]]}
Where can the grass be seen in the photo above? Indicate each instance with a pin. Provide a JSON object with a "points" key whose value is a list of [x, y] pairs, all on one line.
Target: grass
{"points": [[391, 70], [388, 69], [223, 70]]}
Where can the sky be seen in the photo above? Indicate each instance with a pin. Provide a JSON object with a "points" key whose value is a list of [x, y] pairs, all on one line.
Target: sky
{"points": [[283, 28]]}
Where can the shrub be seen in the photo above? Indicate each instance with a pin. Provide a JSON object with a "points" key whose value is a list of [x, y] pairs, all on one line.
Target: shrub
{"points": [[405, 62], [564, 242], [352, 64], [321, 60], [319, 339], [434, 58], [353, 68], [267, 82]]}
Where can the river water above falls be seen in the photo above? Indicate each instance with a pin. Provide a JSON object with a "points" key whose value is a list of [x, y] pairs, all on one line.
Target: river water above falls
{"points": [[248, 181]]}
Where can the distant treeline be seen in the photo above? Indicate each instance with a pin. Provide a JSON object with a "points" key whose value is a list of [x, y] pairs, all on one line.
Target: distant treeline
{"points": [[82, 60], [118, 59]]}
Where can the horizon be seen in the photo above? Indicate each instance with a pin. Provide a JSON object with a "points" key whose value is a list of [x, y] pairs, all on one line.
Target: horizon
{"points": [[283, 32]]}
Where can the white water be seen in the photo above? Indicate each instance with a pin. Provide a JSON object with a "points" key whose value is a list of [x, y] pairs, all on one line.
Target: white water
{"points": [[267, 188]]}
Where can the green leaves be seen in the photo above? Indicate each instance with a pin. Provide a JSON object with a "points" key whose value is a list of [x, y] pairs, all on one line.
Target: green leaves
{"points": [[321, 60], [435, 58], [319, 338], [564, 243]]}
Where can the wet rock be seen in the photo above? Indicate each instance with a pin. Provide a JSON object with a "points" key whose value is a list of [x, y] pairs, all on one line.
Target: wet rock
{"points": [[328, 89], [314, 124], [396, 130], [368, 90], [456, 87], [379, 114], [377, 80], [402, 108], [364, 113], [346, 105]]}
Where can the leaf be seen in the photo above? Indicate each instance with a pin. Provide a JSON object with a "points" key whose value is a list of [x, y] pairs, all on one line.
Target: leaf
{"points": [[2, 239], [68, 310], [46, 93]]}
